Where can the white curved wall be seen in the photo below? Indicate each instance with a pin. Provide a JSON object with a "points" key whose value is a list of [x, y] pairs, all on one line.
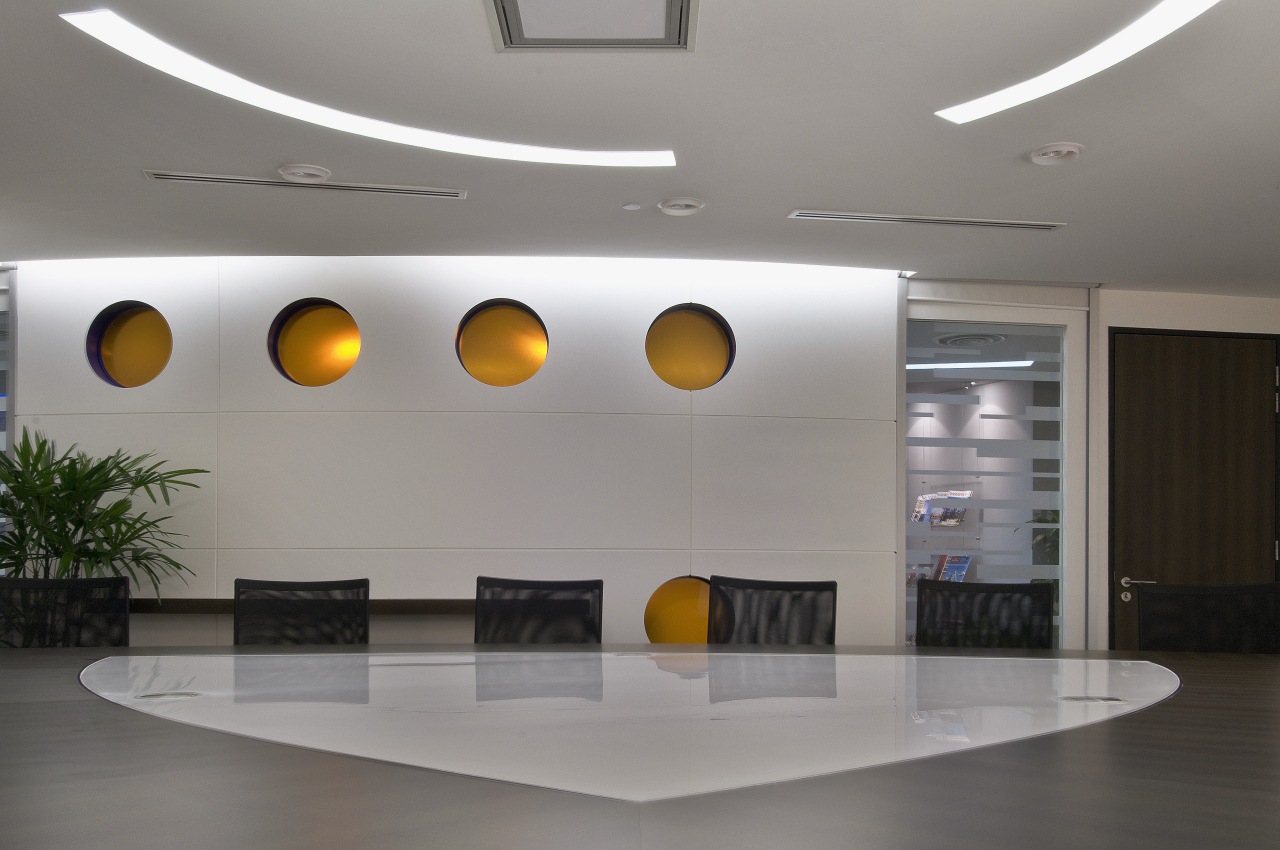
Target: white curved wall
{"points": [[412, 473]]}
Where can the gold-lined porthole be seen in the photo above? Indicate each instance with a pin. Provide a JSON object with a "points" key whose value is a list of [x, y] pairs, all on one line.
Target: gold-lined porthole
{"points": [[690, 346], [314, 342], [677, 611], [129, 344], [501, 343]]}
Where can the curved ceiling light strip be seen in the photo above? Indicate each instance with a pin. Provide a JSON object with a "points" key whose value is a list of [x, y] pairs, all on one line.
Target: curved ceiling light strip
{"points": [[114, 31], [1142, 33]]}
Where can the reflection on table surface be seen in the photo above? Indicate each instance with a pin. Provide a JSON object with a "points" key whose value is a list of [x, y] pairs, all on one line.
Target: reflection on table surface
{"points": [[503, 676], [312, 678], [631, 725]]}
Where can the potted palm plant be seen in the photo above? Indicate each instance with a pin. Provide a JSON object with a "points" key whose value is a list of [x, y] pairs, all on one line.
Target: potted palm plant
{"points": [[73, 533]]}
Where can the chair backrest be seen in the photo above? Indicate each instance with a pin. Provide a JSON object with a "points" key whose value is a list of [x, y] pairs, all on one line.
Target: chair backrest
{"points": [[980, 614], [510, 610], [753, 611], [1209, 618], [301, 612], [64, 611]]}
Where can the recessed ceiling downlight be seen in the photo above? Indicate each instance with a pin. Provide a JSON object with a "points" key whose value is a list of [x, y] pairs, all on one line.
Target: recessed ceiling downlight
{"points": [[1058, 153], [116, 32], [969, 339], [681, 206], [300, 173]]}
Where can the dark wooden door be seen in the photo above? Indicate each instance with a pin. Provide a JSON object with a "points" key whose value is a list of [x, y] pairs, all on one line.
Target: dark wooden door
{"points": [[1193, 464]]}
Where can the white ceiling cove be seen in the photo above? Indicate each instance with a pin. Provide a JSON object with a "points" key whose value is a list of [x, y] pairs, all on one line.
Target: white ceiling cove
{"points": [[810, 104]]}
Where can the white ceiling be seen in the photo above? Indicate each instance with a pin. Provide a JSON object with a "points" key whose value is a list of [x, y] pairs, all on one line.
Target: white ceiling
{"points": [[819, 104]]}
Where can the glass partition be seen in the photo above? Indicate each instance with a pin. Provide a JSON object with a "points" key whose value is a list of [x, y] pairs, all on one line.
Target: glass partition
{"points": [[6, 380], [984, 452]]}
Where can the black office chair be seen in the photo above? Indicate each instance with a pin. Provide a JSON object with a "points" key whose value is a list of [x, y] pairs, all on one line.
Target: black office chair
{"points": [[752, 611], [38, 612], [1209, 618], [510, 610], [301, 612], [979, 614]]}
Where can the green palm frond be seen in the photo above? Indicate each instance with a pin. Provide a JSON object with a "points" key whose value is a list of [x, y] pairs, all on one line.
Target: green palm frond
{"points": [[69, 515]]}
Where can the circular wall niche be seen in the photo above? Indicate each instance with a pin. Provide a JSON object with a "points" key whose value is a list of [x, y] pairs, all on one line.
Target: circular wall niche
{"points": [[677, 611], [313, 342], [129, 344], [690, 346], [501, 343]]}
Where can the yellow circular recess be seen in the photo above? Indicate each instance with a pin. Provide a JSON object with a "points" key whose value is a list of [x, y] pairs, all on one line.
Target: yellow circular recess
{"points": [[315, 342], [690, 347], [677, 611], [129, 344], [502, 343]]}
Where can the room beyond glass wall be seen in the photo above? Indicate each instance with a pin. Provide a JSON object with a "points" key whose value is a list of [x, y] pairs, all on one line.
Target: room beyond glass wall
{"points": [[5, 378], [984, 452]]}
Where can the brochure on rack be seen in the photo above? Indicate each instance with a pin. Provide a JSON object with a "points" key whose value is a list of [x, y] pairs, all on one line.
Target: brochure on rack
{"points": [[924, 510], [952, 567]]}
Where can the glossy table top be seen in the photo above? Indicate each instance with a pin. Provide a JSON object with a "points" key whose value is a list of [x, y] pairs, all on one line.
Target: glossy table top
{"points": [[635, 726], [1198, 769]]}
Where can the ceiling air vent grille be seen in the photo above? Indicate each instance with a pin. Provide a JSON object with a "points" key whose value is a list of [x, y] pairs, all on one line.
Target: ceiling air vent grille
{"points": [[560, 24], [227, 179], [823, 215]]}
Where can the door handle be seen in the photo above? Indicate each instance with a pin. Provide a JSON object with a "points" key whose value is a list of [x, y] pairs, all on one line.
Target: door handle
{"points": [[1129, 582]]}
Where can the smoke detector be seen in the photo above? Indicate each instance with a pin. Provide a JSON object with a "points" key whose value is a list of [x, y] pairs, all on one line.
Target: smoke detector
{"points": [[299, 173], [681, 206], [1058, 153]]}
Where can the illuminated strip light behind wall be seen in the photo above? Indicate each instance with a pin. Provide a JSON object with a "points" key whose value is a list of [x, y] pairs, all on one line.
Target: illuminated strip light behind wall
{"points": [[114, 31], [1142, 33], [994, 364]]}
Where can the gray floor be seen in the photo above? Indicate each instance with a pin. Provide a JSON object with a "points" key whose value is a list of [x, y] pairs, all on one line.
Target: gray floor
{"points": [[1199, 770]]}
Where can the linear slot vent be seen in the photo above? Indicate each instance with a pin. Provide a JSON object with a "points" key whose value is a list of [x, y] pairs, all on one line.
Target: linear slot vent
{"points": [[232, 180], [823, 215]]}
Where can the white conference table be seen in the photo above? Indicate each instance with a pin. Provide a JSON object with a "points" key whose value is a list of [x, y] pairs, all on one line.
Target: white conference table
{"points": [[657, 748]]}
